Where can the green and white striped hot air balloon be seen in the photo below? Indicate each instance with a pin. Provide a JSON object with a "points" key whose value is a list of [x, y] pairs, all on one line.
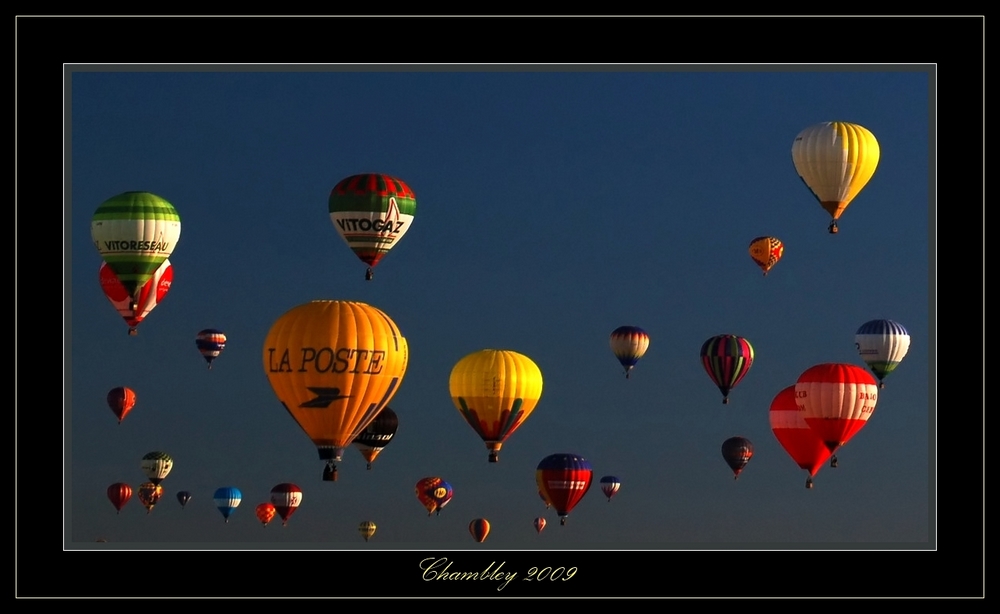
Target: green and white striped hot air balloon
{"points": [[372, 212], [134, 233]]}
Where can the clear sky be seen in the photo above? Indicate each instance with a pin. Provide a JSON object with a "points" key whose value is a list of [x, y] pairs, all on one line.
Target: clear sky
{"points": [[554, 204]]}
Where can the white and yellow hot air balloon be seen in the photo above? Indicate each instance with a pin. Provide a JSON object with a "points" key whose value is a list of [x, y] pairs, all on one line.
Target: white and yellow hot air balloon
{"points": [[334, 365], [835, 160]]}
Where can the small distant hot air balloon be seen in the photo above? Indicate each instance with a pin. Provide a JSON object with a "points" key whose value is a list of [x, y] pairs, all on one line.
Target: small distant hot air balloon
{"points": [[265, 512], [377, 435], [119, 493], [727, 359], [539, 524], [495, 391], [882, 344], [565, 479], [766, 252], [367, 529], [371, 212], [183, 497], [836, 400], [156, 466], [479, 528], [629, 343], [286, 499], [737, 451], [835, 160], [150, 295], [227, 499], [802, 443], [149, 495], [121, 400], [610, 485], [210, 343], [434, 493]]}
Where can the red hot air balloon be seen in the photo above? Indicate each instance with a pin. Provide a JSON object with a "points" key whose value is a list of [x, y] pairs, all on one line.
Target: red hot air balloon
{"points": [[434, 493], [119, 493], [837, 400], [480, 528], [727, 359], [610, 486], [151, 294], [737, 451], [564, 479], [265, 512], [539, 524], [286, 499], [793, 433], [121, 400]]}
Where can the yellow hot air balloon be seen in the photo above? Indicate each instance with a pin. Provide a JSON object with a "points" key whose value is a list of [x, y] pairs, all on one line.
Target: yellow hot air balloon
{"points": [[495, 391], [835, 160], [334, 365], [766, 252]]}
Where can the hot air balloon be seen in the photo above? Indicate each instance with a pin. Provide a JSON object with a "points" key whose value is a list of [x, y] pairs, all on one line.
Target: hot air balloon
{"points": [[836, 400], [151, 293], [610, 485], [367, 529], [377, 435], [434, 493], [479, 528], [802, 443], [727, 359], [539, 524], [119, 493], [372, 212], [565, 479], [766, 252], [156, 466], [183, 497], [495, 391], [149, 495], [334, 365], [286, 499], [210, 343], [835, 160], [629, 343], [227, 499], [737, 452], [134, 233], [882, 344], [265, 512], [121, 400]]}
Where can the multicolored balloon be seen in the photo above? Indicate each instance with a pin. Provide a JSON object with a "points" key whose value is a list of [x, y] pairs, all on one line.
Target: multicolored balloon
{"points": [[149, 495], [183, 497], [565, 479], [119, 494], [479, 528], [286, 499], [793, 433], [737, 452], [135, 232], [372, 212], [495, 391], [727, 359], [377, 435], [156, 466], [367, 529], [610, 486], [882, 344], [836, 400], [766, 252], [227, 499], [265, 512], [835, 160], [434, 493], [121, 400], [629, 343], [151, 294], [334, 365], [539, 524], [210, 343]]}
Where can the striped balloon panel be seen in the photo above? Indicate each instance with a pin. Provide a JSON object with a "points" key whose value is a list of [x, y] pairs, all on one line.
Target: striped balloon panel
{"points": [[789, 426], [837, 400], [565, 479], [726, 359], [135, 232], [479, 528], [227, 499], [882, 344], [629, 343], [835, 160], [210, 342]]}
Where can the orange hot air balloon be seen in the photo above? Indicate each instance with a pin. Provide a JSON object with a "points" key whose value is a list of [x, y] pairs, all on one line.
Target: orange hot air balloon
{"points": [[766, 252], [149, 495], [334, 365], [266, 512], [433, 493], [121, 400], [479, 528], [837, 400], [119, 493], [793, 433]]}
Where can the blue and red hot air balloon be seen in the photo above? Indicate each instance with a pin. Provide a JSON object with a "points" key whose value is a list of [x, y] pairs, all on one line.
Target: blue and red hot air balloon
{"points": [[564, 479], [210, 343]]}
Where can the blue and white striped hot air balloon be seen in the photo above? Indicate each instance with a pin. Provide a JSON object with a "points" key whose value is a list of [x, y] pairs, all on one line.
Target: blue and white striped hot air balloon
{"points": [[227, 499], [882, 344]]}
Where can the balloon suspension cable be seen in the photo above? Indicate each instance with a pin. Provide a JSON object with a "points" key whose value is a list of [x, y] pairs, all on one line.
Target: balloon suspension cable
{"points": [[833, 461], [369, 274]]}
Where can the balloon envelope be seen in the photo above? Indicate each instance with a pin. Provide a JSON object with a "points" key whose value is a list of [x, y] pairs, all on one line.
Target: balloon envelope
{"points": [[121, 400], [629, 344], [727, 359], [882, 344], [119, 494], [183, 497], [836, 400], [149, 495], [539, 524], [286, 499], [210, 343], [610, 485], [227, 499], [434, 493], [367, 529], [479, 528], [265, 512], [737, 452], [150, 294], [156, 466], [565, 479], [793, 433], [766, 252], [495, 391], [377, 435]]}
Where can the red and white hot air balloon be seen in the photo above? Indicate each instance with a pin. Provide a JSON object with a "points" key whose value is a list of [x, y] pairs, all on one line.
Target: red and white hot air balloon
{"points": [[286, 499], [793, 433], [150, 295], [837, 400]]}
